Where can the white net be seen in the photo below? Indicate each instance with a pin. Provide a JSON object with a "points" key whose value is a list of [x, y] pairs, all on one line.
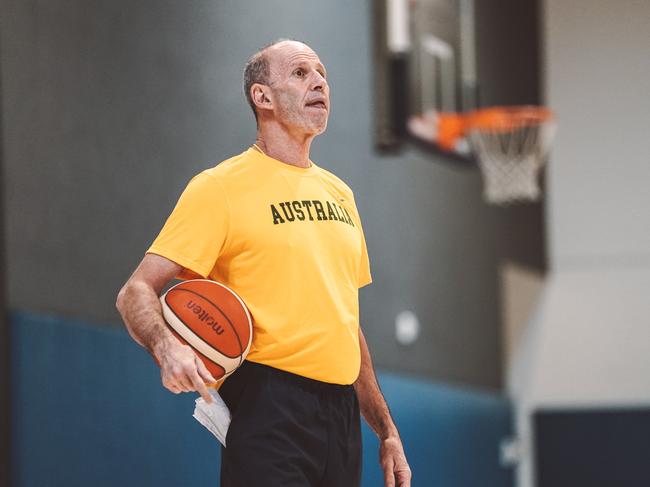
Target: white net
{"points": [[511, 158]]}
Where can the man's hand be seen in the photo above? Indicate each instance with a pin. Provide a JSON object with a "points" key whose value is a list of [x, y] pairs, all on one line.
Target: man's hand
{"points": [[374, 409], [181, 369], [397, 472]]}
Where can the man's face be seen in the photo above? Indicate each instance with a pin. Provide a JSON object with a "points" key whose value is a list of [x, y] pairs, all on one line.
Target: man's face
{"points": [[299, 87]]}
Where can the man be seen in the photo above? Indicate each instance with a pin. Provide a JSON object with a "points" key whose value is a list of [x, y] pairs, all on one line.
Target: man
{"points": [[286, 236]]}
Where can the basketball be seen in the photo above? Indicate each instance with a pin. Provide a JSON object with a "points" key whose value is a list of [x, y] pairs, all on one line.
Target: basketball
{"points": [[213, 320]]}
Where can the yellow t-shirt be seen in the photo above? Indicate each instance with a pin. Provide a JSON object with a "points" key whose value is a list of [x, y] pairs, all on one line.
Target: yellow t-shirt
{"points": [[289, 241]]}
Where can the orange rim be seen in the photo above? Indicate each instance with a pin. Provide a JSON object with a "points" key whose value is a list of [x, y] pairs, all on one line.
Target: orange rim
{"points": [[503, 119], [452, 126]]}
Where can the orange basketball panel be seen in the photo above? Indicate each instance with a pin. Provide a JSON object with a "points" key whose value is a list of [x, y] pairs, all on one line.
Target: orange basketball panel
{"points": [[229, 303], [206, 318]]}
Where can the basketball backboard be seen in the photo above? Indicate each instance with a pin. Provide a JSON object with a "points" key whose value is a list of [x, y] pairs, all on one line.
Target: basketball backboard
{"points": [[425, 64]]}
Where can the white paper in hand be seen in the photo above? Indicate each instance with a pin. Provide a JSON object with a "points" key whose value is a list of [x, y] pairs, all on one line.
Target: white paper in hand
{"points": [[215, 417]]}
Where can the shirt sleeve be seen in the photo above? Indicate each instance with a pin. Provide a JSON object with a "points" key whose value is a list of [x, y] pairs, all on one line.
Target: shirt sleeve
{"points": [[195, 233], [365, 277]]}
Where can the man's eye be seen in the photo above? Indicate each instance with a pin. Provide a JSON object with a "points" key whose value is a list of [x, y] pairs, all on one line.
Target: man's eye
{"points": [[300, 73]]}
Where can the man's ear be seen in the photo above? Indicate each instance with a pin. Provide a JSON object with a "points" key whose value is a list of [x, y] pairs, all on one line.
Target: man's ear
{"points": [[262, 96]]}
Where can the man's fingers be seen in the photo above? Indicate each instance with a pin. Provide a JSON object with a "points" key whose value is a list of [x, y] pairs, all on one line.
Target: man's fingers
{"points": [[169, 384], [201, 388], [389, 475], [205, 373], [403, 478], [183, 371], [177, 378], [183, 381]]}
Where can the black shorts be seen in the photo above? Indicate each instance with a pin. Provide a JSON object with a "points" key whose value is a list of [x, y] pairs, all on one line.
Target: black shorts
{"points": [[289, 431]]}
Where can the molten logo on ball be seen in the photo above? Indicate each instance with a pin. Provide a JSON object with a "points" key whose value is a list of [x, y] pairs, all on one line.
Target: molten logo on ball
{"points": [[205, 317], [211, 319]]}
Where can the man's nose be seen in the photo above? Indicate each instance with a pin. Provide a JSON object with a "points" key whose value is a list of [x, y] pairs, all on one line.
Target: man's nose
{"points": [[319, 82]]}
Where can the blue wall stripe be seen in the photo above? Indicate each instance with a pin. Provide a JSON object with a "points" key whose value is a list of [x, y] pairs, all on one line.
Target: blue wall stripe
{"points": [[89, 409], [451, 435]]}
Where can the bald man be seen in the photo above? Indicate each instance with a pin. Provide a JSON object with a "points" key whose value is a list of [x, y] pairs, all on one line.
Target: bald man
{"points": [[285, 235]]}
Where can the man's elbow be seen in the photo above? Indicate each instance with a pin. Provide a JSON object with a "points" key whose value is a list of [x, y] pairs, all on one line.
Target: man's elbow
{"points": [[120, 301]]}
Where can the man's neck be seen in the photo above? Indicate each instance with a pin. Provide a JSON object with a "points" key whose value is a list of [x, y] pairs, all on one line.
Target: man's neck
{"points": [[284, 146]]}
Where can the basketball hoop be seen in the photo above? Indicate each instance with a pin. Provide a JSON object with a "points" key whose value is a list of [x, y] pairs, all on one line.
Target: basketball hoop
{"points": [[510, 144]]}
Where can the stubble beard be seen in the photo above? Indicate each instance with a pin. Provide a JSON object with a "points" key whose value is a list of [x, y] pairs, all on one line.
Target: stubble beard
{"points": [[294, 115]]}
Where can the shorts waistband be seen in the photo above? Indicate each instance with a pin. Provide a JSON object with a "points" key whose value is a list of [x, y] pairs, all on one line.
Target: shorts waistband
{"points": [[295, 379]]}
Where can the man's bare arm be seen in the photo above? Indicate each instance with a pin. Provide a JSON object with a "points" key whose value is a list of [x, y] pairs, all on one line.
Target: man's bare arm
{"points": [[181, 370], [138, 302], [376, 413]]}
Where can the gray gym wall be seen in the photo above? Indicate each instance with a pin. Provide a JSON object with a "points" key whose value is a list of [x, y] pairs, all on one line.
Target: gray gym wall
{"points": [[5, 337], [587, 346], [111, 106]]}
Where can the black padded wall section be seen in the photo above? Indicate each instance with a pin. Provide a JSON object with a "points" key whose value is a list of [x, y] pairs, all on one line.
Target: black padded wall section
{"points": [[595, 448]]}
